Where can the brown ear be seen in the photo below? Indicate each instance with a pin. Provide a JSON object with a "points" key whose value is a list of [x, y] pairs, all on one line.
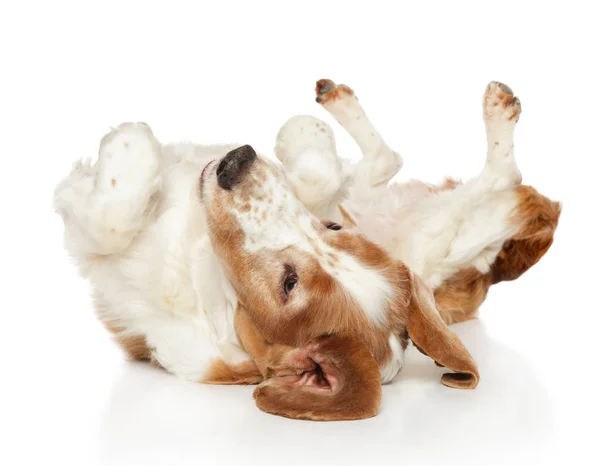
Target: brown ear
{"points": [[432, 337], [339, 380]]}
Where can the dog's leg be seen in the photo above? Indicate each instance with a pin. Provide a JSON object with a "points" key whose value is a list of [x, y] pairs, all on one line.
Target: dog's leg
{"points": [[104, 205], [501, 111], [306, 147], [465, 238], [480, 211], [466, 227], [379, 163]]}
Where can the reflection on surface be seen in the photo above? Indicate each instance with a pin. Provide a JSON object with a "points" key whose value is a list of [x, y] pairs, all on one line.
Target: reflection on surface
{"points": [[152, 414]]}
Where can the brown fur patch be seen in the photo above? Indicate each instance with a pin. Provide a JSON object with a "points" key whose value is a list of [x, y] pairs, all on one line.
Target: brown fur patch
{"points": [[134, 346], [459, 297], [344, 384], [448, 185], [537, 217], [327, 91], [221, 373], [433, 338]]}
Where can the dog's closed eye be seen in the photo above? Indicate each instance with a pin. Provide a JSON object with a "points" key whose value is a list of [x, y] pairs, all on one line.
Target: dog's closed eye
{"points": [[333, 226]]}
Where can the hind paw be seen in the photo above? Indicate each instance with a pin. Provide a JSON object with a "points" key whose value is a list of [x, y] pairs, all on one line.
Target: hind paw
{"points": [[328, 91], [500, 103]]}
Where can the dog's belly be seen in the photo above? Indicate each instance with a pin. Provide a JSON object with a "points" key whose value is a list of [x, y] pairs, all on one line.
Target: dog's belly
{"points": [[437, 232]]}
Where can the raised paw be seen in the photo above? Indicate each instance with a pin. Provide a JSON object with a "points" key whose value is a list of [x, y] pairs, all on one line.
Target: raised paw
{"points": [[328, 91], [306, 147], [500, 103], [127, 137], [129, 157]]}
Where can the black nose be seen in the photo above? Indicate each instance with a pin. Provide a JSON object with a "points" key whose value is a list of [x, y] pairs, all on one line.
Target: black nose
{"points": [[233, 166]]}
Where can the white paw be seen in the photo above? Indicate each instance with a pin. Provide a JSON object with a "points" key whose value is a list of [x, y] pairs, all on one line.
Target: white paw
{"points": [[314, 181], [306, 147], [300, 132], [128, 157], [500, 105]]}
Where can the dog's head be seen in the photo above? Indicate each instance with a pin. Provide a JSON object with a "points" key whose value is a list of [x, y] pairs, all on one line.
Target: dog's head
{"points": [[316, 286]]}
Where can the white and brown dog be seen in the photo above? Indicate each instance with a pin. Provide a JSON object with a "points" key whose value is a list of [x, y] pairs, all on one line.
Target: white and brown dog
{"points": [[223, 267]]}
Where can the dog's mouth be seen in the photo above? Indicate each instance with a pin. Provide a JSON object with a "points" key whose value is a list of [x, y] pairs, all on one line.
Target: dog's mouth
{"points": [[205, 169], [204, 174]]}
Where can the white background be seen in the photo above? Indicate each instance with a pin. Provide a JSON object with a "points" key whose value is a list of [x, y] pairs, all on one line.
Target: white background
{"points": [[219, 72]]}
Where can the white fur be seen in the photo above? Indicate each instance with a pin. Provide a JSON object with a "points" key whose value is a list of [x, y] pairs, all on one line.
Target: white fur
{"points": [[155, 275], [306, 147], [379, 163], [135, 225], [440, 234], [389, 371]]}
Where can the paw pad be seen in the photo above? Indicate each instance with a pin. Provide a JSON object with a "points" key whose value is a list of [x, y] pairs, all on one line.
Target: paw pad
{"points": [[328, 91], [499, 102]]}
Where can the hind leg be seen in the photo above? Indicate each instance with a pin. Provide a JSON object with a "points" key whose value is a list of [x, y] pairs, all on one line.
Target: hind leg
{"points": [[104, 205], [533, 219], [467, 227], [379, 163], [501, 111]]}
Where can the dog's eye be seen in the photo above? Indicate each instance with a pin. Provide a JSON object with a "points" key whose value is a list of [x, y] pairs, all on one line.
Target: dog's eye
{"points": [[289, 283], [333, 226]]}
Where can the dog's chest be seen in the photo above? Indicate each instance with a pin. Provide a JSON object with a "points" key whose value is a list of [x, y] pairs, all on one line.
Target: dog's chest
{"points": [[176, 293]]}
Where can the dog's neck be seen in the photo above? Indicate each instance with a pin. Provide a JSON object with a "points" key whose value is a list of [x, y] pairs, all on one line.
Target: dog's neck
{"points": [[218, 299]]}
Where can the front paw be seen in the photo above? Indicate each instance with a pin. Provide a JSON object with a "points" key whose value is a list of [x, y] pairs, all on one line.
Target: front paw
{"points": [[129, 157]]}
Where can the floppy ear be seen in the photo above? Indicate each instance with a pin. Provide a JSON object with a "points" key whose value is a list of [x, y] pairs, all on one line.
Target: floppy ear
{"points": [[339, 380], [432, 337]]}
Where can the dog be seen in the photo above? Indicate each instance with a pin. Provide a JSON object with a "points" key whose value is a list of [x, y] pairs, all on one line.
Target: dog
{"points": [[310, 276]]}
